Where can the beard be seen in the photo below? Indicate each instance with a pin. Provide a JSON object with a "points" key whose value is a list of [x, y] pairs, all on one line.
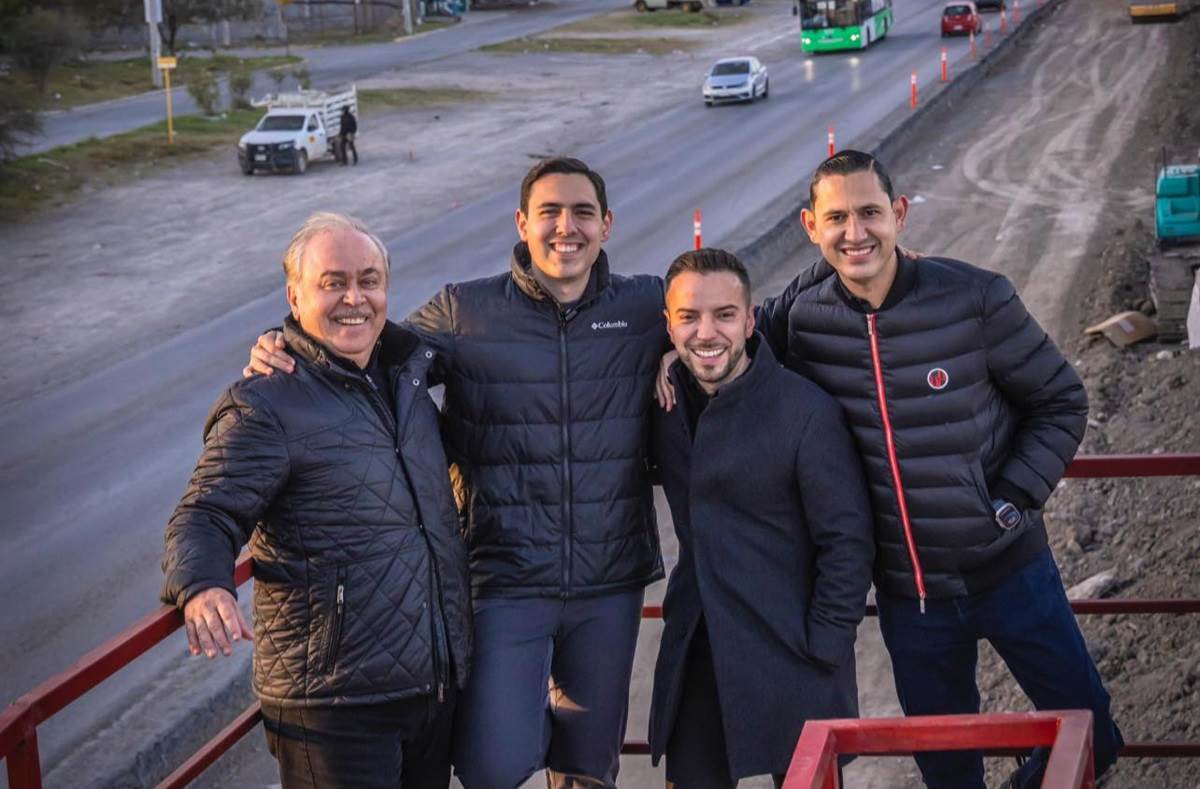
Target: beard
{"points": [[715, 375]]}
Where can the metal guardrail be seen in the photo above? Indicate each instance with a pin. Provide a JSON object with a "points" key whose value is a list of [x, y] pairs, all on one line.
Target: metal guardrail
{"points": [[1068, 733], [19, 722]]}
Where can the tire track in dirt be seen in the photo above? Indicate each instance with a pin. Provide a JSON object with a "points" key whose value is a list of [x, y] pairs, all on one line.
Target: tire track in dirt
{"points": [[1047, 162]]}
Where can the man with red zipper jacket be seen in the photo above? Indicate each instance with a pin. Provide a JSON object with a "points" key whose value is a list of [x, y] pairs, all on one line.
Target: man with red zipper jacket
{"points": [[966, 416]]}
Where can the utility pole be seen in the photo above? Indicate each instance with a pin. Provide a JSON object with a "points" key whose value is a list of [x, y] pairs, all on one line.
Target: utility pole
{"points": [[153, 18], [406, 13]]}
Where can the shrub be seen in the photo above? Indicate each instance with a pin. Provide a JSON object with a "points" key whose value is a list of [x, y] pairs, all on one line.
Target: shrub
{"points": [[204, 91], [240, 82], [39, 41], [302, 76]]}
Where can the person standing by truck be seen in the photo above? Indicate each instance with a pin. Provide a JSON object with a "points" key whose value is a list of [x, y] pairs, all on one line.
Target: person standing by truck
{"points": [[346, 132]]}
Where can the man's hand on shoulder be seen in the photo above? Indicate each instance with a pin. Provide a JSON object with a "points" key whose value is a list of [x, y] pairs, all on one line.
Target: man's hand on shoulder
{"points": [[267, 356], [214, 622], [662, 385]]}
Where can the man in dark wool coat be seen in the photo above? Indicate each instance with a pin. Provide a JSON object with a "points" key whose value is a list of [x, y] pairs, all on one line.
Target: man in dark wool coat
{"points": [[775, 542]]}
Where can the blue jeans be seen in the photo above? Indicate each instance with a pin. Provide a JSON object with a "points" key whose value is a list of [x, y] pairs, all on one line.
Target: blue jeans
{"points": [[549, 687], [1028, 620]]}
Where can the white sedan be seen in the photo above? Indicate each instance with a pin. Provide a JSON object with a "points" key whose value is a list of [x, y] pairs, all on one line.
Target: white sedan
{"points": [[736, 79]]}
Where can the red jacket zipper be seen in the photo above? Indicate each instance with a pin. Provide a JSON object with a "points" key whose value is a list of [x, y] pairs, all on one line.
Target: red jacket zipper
{"points": [[901, 500]]}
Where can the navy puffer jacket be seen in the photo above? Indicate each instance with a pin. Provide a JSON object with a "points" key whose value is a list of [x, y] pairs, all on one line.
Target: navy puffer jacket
{"points": [[546, 418]]}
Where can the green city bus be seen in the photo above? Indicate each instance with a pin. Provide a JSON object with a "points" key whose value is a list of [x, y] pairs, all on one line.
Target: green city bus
{"points": [[827, 25]]}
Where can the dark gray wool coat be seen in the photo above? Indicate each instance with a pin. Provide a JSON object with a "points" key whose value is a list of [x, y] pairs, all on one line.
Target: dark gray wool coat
{"points": [[545, 419], [360, 575], [775, 552]]}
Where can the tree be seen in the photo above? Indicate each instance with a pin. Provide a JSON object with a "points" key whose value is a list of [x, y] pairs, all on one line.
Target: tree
{"points": [[100, 15], [177, 13], [39, 41], [19, 122]]}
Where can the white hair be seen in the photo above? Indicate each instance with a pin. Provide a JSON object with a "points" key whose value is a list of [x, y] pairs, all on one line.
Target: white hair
{"points": [[324, 222]]}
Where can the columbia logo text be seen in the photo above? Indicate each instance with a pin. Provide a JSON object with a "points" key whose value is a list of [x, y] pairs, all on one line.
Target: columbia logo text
{"points": [[597, 325]]}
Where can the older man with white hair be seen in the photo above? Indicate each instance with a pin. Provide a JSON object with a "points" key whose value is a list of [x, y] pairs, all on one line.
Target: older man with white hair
{"points": [[337, 479]]}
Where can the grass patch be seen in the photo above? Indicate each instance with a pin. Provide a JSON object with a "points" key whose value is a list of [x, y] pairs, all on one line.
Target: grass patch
{"points": [[623, 21], [40, 180], [592, 46], [79, 82], [402, 98], [346, 37]]}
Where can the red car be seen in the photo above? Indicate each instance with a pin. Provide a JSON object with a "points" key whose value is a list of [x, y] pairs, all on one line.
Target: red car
{"points": [[961, 18]]}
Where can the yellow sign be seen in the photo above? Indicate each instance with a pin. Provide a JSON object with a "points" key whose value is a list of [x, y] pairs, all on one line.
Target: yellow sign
{"points": [[167, 62]]}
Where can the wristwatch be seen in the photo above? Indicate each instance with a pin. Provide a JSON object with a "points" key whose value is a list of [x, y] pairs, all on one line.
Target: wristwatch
{"points": [[1007, 514]]}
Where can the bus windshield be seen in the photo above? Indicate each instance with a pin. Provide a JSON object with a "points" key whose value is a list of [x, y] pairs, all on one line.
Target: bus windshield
{"points": [[820, 14]]}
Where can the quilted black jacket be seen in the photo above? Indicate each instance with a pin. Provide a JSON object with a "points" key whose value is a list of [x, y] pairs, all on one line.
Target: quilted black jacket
{"points": [[546, 418], [360, 575], [957, 383]]}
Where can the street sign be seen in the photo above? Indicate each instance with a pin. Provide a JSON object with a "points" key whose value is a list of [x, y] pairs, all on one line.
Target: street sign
{"points": [[166, 62]]}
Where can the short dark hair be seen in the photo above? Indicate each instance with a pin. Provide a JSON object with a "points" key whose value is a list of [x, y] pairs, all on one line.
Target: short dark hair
{"points": [[708, 260], [562, 165], [845, 163]]}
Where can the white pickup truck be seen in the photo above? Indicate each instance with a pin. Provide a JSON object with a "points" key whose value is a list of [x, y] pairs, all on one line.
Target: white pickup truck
{"points": [[297, 128]]}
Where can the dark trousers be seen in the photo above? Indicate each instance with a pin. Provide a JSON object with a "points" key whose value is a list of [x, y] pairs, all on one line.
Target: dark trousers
{"points": [[697, 756], [396, 744], [347, 147], [1028, 620], [549, 687]]}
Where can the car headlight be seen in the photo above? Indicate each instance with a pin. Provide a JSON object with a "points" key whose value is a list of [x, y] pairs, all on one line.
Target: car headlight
{"points": [[286, 145], [806, 40], [854, 36]]}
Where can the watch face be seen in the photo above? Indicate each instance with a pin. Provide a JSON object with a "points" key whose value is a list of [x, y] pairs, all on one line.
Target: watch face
{"points": [[1008, 516]]}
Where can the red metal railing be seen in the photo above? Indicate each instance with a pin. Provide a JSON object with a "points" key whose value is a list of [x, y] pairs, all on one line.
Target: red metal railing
{"points": [[1068, 733], [19, 722]]}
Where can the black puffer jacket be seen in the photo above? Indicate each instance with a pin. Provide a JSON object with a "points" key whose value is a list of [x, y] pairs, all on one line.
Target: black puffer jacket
{"points": [[546, 416], [956, 397], [360, 574]]}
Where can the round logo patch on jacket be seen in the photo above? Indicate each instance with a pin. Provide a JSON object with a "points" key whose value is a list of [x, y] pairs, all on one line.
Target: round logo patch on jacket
{"points": [[937, 378]]}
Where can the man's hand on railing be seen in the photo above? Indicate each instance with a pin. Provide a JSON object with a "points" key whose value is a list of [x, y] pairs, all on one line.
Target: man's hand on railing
{"points": [[214, 621], [267, 356]]}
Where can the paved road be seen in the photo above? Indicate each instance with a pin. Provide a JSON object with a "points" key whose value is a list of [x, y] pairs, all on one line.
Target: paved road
{"points": [[89, 473], [329, 67]]}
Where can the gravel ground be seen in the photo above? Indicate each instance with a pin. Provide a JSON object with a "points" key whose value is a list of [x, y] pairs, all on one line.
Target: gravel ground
{"points": [[1144, 399]]}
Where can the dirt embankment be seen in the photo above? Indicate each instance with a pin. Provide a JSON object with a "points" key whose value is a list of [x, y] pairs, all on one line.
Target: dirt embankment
{"points": [[1144, 399]]}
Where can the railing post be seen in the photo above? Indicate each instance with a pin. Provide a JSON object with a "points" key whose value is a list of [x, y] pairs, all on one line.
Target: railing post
{"points": [[24, 764]]}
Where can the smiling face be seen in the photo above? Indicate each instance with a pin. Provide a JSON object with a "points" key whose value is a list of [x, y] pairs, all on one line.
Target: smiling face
{"points": [[709, 320], [856, 226], [564, 228], [340, 294]]}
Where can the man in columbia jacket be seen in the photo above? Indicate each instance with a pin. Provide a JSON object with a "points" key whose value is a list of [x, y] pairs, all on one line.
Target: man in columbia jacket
{"points": [[775, 545], [966, 416], [337, 478], [549, 371]]}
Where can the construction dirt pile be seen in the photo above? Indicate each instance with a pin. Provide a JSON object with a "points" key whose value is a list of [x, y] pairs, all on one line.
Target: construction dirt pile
{"points": [[1135, 538]]}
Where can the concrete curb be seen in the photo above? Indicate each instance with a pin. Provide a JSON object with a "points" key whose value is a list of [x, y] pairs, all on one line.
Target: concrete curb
{"points": [[766, 247]]}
